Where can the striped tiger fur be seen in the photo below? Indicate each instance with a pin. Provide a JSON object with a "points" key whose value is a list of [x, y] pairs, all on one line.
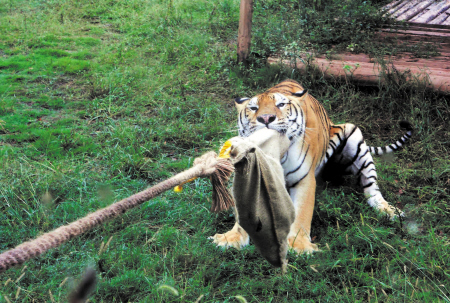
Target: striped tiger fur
{"points": [[315, 143]]}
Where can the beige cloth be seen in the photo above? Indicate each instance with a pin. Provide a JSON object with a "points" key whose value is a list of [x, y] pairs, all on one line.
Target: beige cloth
{"points": [[264, 207]]}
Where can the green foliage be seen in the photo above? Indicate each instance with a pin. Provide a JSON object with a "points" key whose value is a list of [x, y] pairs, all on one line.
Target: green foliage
{"points": [[335, 24], [100, 99], [293, 28]]}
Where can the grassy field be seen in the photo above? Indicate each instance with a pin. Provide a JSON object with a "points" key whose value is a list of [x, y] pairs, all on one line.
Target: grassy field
{"points": [[100, 99]]}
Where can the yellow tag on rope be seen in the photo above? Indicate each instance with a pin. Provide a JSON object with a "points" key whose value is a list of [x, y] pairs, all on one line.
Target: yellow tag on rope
{"points": [[225, 150], [224, 153], [179, 188]]}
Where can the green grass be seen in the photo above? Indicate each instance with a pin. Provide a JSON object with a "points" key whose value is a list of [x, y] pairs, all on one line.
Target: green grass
{"points": [[100, 99]]}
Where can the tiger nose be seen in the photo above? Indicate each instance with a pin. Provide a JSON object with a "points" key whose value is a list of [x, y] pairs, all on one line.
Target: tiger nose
{"points": [[266, 119]]}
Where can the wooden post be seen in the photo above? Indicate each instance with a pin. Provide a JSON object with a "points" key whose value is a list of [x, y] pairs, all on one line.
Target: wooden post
{"points": [[245, 29]]}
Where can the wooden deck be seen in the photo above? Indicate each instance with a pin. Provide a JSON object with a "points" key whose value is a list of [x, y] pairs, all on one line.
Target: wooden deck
{"points": [[429, 21], [422, 12]]}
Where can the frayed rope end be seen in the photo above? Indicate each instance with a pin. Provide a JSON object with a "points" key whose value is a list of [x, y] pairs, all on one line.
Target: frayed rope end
{"points": [[221, 197]]}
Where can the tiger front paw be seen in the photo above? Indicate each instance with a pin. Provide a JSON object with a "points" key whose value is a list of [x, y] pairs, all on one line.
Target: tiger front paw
{"points": [[237, 238], [302, 245]]}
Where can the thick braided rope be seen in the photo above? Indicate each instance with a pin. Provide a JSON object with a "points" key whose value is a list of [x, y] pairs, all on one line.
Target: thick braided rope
{"points": [[203, 166]]}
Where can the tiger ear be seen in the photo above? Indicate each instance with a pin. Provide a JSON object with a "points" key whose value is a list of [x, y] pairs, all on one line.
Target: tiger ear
{"points": [[300, 93], [240, 100]]}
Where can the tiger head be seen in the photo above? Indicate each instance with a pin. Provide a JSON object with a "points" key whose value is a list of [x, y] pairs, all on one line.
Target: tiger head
{"points": [[277, 110]]}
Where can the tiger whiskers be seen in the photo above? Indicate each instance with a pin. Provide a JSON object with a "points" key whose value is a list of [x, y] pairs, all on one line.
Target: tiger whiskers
{"points": [[235, 130], [231, 130]]}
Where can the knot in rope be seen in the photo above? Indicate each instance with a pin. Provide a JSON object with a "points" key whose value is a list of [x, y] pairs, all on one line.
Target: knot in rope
{"points": [[207, 163]]}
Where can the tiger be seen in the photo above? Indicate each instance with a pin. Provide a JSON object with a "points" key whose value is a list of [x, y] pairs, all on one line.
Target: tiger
{"points": [[315, 143]]}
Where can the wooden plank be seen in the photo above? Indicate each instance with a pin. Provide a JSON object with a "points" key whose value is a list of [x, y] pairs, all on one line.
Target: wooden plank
{"points": [[369, 73], [420, 14], [436, 27], [433, 11], [441, 31], [447, 21], [406, 8], [441, 61], [420, 33], [440, 19], [405, 59], [397, 7], [415, 10], [391, 5]]}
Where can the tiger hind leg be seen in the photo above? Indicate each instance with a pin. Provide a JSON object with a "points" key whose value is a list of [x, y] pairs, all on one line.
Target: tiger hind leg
{"points": [[348, 150]]}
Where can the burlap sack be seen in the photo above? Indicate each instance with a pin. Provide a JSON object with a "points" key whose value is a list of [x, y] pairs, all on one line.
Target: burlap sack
{"points": [[264, 207]]}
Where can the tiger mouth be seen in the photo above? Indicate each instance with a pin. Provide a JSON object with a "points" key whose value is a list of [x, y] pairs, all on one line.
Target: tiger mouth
{"points": [[278, 128]]}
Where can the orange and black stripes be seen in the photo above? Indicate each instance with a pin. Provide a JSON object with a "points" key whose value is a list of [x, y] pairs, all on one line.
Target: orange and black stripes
{"points": [[315, 141]]}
